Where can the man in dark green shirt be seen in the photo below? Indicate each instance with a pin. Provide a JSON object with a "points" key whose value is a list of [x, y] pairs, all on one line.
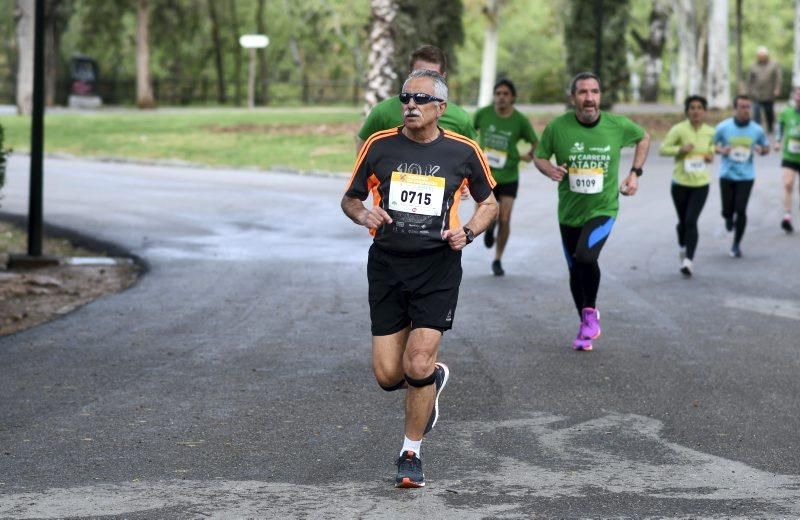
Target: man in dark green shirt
{"points": [[389, 112], [501, 127]]}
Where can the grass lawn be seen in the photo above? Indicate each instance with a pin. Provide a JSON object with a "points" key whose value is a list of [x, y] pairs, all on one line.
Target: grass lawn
{"points": [[306, 139]]}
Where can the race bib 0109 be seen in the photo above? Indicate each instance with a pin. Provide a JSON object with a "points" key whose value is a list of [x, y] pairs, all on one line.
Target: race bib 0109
{"points": [[495, 158], [694, 164], [740, 154], [586, 180], [417, 194]]}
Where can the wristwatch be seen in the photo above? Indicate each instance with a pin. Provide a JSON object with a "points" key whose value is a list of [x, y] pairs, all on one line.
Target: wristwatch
{"points": [[637, 171], [470, 234]]}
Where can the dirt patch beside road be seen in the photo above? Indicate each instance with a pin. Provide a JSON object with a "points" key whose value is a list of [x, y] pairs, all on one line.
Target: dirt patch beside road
{"points": [[30, 297]]}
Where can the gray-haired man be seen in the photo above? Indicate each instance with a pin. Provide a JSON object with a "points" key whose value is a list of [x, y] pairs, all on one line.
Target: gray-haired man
{"points": [[415, 173]]}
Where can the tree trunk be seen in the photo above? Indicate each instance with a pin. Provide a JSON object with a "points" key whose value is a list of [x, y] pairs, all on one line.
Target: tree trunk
{"points": [[740, 84], [687, 79], [590, 21], [381, 75], [56, 17], [263, 92], [489, 63], [718, 88], [24, 21], [796, 66], [144, 84], [217, 41], [237, 49], [653, 48]]}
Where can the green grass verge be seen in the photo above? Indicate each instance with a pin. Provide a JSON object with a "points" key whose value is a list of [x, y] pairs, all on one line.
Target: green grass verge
{"points": [[305, 139]]}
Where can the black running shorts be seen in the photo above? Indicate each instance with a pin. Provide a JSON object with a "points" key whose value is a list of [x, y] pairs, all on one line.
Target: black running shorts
{"points": [[418, 290], [790, 164], [506, 190]]}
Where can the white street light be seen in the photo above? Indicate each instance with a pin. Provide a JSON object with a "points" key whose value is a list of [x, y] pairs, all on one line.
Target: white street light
{"points": [[252, 42]]}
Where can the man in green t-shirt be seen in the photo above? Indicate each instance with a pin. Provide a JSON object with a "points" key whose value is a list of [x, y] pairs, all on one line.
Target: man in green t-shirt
{"points": [[787, 135], [501, 127], [389, 112], [586, 145]]}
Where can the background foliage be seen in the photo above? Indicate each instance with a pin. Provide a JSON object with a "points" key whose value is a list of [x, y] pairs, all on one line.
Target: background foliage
{"points": [[318, 48]]}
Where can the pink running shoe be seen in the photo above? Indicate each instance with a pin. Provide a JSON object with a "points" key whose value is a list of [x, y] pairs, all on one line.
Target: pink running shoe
{"points": [[590, 323], [581, 343]]}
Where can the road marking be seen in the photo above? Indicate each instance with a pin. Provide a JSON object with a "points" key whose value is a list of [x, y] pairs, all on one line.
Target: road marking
{"points": [[769, 306], [616, 455]]}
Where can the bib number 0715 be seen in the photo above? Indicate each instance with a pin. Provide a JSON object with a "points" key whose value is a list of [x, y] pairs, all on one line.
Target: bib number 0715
{"points": [[415, 197]]}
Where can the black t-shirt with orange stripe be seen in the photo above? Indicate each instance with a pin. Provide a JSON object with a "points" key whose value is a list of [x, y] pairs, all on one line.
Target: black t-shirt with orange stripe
{"points": [[418, 185]]}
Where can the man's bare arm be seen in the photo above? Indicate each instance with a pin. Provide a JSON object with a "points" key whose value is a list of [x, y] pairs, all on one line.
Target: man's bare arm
{"points": [[372, 219], [485, 213], [550, 170]]}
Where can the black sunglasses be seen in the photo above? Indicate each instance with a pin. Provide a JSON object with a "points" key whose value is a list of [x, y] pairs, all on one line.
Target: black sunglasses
{"points": [[420, 98]]}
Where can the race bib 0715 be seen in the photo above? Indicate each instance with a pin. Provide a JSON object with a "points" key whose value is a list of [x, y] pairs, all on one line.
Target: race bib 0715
{"points": [[418, 194], [586, 180]]}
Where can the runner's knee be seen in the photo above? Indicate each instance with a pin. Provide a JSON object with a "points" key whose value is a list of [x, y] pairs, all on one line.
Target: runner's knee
{"points": [[421, 382], [418, 365], [397, 386]]}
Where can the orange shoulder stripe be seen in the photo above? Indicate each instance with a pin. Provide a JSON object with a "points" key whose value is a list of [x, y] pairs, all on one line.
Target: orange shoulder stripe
{"points": [[363, 153], [487, 171]]}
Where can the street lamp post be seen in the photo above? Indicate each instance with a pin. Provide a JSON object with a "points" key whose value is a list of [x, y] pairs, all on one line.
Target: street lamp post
{"points": [[252, 42]]}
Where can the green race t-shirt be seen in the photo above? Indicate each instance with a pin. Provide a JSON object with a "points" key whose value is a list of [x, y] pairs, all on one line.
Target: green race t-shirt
{"points": [[789, 121], [498, 139], [591, 156], [389, 114]]}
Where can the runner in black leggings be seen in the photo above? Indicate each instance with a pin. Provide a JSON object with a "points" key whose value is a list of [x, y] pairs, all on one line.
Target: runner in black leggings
{"points": [[690, 142], [737, 139]]}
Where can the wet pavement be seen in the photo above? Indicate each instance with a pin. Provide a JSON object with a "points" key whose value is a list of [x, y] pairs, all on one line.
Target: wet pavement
{"points": [[233, 380]]}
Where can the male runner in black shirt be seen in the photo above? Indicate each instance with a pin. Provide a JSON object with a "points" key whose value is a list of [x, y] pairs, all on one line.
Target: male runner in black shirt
{"points": [[415, 173]]}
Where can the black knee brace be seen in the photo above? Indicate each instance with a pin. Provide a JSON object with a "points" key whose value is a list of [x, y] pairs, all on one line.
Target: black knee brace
{"points": [[419, 383], [394, 387]]}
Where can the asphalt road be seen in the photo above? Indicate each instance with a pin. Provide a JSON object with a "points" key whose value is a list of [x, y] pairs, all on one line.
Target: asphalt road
{"points": [[234, 379]]}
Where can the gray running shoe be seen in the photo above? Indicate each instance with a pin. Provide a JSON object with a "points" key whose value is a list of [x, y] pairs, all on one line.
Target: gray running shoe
{"points": [[497, 268], [409, 471], [488, 236]]}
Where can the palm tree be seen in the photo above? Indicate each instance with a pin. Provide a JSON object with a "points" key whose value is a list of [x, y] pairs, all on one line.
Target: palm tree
{"points": [[381, 75]]}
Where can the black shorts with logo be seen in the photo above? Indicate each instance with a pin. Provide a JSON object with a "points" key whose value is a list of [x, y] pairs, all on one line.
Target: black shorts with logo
{"points": [[508, 189], [418, 290]]}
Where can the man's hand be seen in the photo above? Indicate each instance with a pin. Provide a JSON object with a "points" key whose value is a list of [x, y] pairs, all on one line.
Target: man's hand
{"points": [[777, 146], [629, 185], [724, 150], [761, 150], [556, 172], [688, 147], [374, 218], [457, 239]]}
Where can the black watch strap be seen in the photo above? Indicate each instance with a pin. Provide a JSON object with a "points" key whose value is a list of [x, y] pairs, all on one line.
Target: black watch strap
{"points": [[637, 171], [470, 234]]}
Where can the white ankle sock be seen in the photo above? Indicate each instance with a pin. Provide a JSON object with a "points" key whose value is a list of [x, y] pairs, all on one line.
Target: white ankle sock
{"points": [[408, 444]]}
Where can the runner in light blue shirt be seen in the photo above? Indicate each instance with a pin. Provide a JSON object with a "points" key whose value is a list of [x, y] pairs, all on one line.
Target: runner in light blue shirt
{"points": [[737, 139]]}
